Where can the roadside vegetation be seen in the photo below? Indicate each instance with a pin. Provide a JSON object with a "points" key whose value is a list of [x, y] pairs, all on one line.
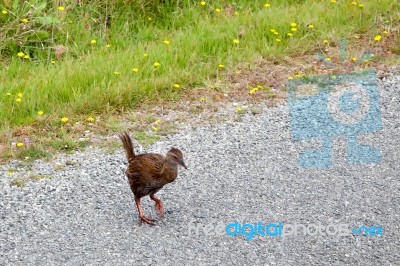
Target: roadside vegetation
{"points": [[70, 67]]}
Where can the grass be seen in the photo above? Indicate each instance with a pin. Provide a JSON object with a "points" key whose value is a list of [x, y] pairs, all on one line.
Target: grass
{"points": [[18, 183], [68, 144], [33, 153], [146, 139], [68, 75], [21, 182]]}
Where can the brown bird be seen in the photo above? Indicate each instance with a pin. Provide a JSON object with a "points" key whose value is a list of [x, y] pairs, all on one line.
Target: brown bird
{"points": [[148, 173]]}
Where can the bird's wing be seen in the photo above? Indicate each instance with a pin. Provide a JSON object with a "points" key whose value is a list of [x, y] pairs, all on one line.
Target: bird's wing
{"points": [[146, 166]]}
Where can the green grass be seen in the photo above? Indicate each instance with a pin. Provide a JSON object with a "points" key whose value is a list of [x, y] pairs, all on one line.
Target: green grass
{"points": [[22, 182], [18, 183], [68, 144], [32, 153], [82, 82], [146, 139]]}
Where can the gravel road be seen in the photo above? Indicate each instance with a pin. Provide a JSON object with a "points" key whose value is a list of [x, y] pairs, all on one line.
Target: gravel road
{"points": [[244, 171]]}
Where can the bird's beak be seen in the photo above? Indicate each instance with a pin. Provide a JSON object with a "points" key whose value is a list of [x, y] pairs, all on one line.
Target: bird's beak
{"points": [[181, 162]]}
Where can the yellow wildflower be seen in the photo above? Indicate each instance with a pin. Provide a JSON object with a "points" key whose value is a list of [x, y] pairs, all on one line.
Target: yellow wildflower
{"points": [[25, 20], [20, 144], [154, 128], [333, 1], [253, 90], [53, 61], [166, 42], [221, 66], [311, 26], [156, 64], [202, 3], [27, 56], [293, 24], [177, 86], [93, 41], [360, 5], [145, 55], [135, 69], [90, 119], [20, 94], [378, 38], [278, 40], [267, 5], [293, 29], [357, 36], [157, 121], [61, 8], [21, 54], [354, 3], [64, 119], [239, 109], [18, 100], [274, 31], [108, 45], [8, 94], [325, 41], [289, 34], [236, 13], [4, 12], [290, 78], [354, 59], [117, 73], [236, 41], [385, 32], [217, 10], [202, 99], [40, 112], [328, 59]]}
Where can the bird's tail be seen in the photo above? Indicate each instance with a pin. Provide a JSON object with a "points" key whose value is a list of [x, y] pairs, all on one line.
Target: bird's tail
{"points": [[128, 146]]}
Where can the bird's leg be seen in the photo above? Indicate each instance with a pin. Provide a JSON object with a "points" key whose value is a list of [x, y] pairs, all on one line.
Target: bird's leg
{"points": [[142, 218], [159, 206]]}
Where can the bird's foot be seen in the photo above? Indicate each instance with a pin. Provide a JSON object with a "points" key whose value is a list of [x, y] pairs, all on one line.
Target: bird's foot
{"points": [[146, 220], [160, 208]]}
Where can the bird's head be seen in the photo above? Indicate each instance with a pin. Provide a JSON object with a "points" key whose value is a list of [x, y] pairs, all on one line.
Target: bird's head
{"points": [[177, 156]]}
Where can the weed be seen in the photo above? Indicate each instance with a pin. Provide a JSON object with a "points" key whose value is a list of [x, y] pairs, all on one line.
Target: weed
{"points": [[18, 183], [146, 139], [36, 178], [32, 153]]}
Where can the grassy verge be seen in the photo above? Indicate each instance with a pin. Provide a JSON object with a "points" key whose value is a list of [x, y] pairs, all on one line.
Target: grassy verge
{"points": [[114, 58]]}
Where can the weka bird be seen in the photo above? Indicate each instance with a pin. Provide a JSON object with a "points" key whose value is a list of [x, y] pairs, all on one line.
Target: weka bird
{"points": [[148, 173]]}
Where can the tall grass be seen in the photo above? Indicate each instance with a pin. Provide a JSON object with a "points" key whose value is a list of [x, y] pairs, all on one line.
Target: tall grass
{"points": [[86, 78]]}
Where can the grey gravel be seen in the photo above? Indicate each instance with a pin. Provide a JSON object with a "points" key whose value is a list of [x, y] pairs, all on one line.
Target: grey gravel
{"points": [[242, 171]]}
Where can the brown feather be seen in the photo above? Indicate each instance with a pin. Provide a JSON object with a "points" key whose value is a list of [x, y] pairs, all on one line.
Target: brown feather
{"points": [[128, 146]]}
